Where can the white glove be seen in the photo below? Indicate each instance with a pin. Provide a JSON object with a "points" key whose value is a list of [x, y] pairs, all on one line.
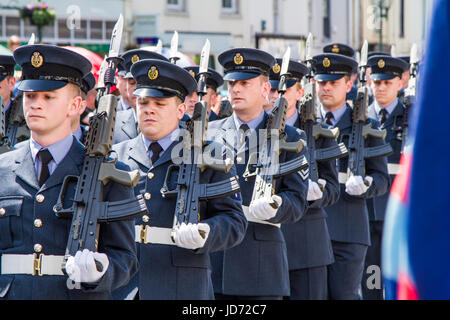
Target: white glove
{"points": [[314, 192], [261, 209], [355, 186], [188, 235], [82, 268]]}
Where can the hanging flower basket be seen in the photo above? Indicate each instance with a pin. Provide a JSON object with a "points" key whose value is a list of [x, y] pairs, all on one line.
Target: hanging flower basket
{"points": [[39, 14]]}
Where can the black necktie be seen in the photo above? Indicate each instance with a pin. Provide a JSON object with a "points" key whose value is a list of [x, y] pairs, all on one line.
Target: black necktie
{"points": [[328, 118], [156, 149], [384, 114], [243, 130], [45, 156]]}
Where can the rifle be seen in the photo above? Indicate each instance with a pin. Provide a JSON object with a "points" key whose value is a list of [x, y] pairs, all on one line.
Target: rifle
{"points": [[174, 56], [225, 110], [189, 191], [15, 130], [360, 130], [410, 94], [262, 168], [101, 81], [89, 207], [313, 130]]}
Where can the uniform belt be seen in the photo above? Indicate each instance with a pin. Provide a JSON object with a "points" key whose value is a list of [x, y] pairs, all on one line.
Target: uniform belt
{"points": [[251, 219], [155, 235], [33, 264], [342, 177], [394, 168]]}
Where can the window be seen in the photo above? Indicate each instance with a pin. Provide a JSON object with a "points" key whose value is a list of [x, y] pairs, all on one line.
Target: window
{"points": [[229, 6], [12, 26], [326, 19], [96, 29], [81, 32], [175, 5], [63, 31]]}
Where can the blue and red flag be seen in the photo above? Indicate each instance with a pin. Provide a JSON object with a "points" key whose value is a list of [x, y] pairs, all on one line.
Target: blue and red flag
{"points": [[416, 243]]}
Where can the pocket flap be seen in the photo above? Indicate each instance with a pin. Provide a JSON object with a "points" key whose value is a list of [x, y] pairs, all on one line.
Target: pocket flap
{"points": [[10, 206]]}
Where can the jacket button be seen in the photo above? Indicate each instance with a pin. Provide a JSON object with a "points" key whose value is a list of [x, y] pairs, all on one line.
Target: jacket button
{"points": [[38, 223], [147, 196], [2, 211], [150, 175], [145, 218], [40, 198], [37, 248]]}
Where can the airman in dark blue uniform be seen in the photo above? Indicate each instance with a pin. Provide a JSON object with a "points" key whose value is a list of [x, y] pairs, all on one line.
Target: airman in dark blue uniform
{"points": [[10, 102], [181, 269], [386, 79], [213, 83], [343, 49], [80, 130], [32, 239], [347, 220], [307, 240], [126, 120], [258, 267]]}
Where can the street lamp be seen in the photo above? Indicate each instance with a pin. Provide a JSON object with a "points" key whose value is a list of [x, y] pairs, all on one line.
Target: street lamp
{"points": [[383, 7]]}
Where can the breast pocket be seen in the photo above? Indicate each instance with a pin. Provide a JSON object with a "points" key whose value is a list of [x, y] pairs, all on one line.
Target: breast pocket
{"points": [[10, 221]]}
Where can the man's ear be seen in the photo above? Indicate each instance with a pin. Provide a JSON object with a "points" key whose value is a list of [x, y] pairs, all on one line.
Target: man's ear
{"points": [[75, 106], [349, 86], [401, 84], [181, 110], [266, 89], [300, 93], [12, 82]]}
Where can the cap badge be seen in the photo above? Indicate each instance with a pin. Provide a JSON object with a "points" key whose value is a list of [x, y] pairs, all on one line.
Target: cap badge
{"points": [[335, 49], [135, 59], [381, 63], [276, 68], [153, 73], [238, 59], [192, 73], [326, 63], [37, 60]]}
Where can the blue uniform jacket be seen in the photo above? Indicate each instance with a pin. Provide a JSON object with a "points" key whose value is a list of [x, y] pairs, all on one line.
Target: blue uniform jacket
{"points": [[18, 234], [393, 127], [170, 272], [258, 266], [348, 219], [307, 240], [125, 127]]}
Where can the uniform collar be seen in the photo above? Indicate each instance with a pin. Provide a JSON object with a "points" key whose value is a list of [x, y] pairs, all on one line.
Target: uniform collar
{"points": [[390, 108], [337, 114], [8, 105], [252, 124], [163, 142], [58, 150], [292, 120], [78, 133], [125, 105]]}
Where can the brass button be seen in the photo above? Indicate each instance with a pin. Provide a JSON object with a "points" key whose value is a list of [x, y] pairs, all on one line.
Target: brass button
{"points": [[37, 248], [40, 198], [38, 223], [2, 211], [150, 175], [147, 196], [145, 218]]}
